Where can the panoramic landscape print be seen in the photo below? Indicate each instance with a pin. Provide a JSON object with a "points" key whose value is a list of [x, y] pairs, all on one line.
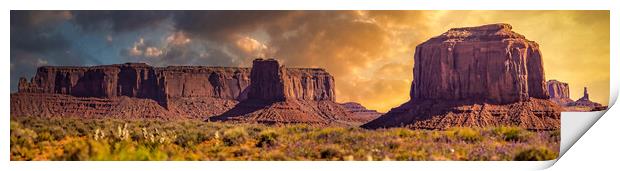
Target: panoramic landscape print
{"points": [[302, 85]]}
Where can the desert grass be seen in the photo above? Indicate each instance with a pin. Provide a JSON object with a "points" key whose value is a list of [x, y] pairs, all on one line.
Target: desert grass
{"points": [[34, 138]]}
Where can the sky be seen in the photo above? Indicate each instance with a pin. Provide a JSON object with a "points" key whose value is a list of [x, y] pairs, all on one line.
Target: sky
{"points": [[370, 53]]}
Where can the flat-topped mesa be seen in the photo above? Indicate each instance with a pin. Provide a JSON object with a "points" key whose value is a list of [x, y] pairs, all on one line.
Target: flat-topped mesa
{"points": [[476, 77], [559, 92], [178, 91], [272, 82], [489, 64], [558, 89], [141, 81], [490, 32]]}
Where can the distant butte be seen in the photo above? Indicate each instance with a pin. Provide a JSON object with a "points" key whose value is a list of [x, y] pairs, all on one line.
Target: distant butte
{"points": [[559, 93], [267, 93], [476, 77]]}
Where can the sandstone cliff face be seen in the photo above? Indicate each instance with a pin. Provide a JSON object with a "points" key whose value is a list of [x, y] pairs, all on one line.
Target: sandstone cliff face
{"points": [[267, 80], [476, 76], [132, 90], [279, 95], [558, 89], [140, 81], [489, 64], [218, 82], [559, 92], [272, 82]]}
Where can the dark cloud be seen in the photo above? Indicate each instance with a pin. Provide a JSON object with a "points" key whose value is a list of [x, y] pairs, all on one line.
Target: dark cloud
{"points": [[36, 41], [226, 25], [119, 21]]}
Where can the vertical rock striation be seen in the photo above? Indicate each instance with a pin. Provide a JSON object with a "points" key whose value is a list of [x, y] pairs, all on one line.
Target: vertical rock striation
{"points": [[559, 92], [476, 76], [289, 95], [488, 64], [279, 95]]}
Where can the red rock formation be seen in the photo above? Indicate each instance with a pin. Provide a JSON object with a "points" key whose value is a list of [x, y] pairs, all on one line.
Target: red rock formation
{"points": [[559, 92], [584, 103], [278, 95], [489, 64], [360, 111], [267, 80], [126, 90], [472, 72], [272, 82], [141, 81]]}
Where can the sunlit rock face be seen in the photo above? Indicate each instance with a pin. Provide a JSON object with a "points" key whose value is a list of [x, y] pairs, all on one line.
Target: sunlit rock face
{"points": [[280, 95], [559, 92], [489, 63], [137, 90], [476, 76]]}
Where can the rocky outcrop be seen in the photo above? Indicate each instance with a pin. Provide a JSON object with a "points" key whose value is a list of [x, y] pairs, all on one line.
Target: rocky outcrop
{"points": [[584, 103], [140, 81], [288, 95], [559, 92], [267, 81], [476, 76], [272, 82], [489, 63], [360, 111], [279, 95], [534, 114]]}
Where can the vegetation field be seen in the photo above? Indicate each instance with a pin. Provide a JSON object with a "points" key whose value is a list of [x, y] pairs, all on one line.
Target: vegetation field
{"points": [[34, 138]]}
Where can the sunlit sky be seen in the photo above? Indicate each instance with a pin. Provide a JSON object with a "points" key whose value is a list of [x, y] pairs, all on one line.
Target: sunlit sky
{"points": [[370, 53]]}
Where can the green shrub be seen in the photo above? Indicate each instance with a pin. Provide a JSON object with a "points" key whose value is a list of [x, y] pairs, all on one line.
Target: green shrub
{"points": [[394, 144], [37, 138], [330, 153], [331, 134], [512, 133], [535, 154], [267, 139], [466, 134], [235, 136]]}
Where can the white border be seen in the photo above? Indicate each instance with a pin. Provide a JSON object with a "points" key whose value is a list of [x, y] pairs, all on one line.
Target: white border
{"points": [[597, 148]]}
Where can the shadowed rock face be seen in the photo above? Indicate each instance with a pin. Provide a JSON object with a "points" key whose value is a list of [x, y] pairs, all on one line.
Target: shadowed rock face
{"points": [[476, 76], [272, 82]]}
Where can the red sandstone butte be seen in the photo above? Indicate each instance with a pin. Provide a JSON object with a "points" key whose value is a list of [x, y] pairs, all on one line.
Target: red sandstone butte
{"points": [[280, 95], [137, 90], [559, 92], [476, 76]]}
